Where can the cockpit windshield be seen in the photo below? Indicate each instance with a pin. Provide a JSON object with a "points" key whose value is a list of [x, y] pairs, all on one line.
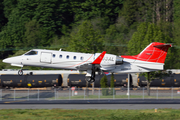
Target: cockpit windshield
{"points": [[31, 53]]}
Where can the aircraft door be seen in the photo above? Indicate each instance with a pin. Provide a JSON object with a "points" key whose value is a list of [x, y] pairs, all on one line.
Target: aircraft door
{"points": [[46, 57]]}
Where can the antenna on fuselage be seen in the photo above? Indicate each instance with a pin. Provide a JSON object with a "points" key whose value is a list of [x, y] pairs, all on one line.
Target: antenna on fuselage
{"points": [[60, 49]]}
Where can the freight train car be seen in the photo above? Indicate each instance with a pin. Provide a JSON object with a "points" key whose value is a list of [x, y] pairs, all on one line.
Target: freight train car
{"points": [[30, 80], [78, 80], [167, 81]]}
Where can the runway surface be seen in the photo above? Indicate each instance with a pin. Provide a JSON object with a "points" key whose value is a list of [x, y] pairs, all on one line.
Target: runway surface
{"points": [[105, 101], [91, 104]]}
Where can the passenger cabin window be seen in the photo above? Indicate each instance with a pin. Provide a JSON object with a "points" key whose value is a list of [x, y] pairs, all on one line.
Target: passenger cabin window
{"points": [[82, 58], [60, 56], [67, 56], [74, 57], [54, 55], [32, 53]]}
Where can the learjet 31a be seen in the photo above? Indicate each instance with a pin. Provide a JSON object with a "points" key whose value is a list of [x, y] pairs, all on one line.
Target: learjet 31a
{"points": [[152, 58]]}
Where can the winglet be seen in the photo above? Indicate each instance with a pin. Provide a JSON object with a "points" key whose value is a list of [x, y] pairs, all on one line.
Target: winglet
{"points": [[99, 58]]}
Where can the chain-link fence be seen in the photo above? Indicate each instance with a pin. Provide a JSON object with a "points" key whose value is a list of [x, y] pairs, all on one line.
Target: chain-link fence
{"points": [[87, 94]]}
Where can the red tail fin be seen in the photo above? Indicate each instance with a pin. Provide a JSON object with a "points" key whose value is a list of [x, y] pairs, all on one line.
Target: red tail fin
{"points": [[155, 52]]}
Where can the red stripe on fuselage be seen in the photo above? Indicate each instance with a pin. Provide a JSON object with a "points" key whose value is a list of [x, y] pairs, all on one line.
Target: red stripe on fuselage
{"points": [[80, 63]]}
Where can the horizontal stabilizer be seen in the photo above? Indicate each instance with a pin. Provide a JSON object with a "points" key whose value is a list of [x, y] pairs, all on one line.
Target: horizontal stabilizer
{"points": [[160, 46]]}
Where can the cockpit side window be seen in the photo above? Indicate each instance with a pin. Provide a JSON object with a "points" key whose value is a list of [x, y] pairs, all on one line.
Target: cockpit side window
{"points": [[32, 53]]}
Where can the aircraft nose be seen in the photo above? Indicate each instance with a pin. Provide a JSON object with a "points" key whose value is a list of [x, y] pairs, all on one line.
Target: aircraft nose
{"points": [[8, 60]]}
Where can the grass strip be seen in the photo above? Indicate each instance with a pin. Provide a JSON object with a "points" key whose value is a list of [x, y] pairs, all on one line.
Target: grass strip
{"points": [[56, 114]]}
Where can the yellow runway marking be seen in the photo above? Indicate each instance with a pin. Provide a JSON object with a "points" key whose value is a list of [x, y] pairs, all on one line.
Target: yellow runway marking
{"points": [[15, 101]]}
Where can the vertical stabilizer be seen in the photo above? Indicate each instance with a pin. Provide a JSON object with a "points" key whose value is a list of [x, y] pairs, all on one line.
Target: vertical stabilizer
{"points": [[154, 52]]}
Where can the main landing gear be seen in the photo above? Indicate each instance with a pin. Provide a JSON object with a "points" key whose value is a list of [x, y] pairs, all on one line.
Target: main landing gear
{"points": [[90, 76]]}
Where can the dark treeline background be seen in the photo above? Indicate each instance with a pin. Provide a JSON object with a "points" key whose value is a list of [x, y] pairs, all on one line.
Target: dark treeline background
{"points": [[121, 27]]}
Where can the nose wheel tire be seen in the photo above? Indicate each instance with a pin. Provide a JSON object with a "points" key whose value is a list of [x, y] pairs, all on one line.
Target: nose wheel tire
{"points": [[20, 72]]}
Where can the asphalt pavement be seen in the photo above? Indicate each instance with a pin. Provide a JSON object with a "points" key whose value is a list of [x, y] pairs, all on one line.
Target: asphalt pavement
{"points": [[91, 104], [105, 101]]}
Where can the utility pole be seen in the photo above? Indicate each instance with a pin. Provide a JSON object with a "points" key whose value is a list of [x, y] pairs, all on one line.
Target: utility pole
{"points": [[93, 88], [128, 85], [87, 90]]}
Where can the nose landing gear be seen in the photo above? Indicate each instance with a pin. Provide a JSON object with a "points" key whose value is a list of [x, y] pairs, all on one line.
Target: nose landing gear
{"points": [[20, 72]]}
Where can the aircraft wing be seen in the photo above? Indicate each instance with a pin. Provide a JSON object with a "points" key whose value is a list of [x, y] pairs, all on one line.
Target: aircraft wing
{"points": [[99, 58], [96, 62]]}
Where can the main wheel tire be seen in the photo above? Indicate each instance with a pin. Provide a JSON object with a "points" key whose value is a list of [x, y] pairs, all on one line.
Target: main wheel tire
{"points": [[92, 80], [88, 79]]}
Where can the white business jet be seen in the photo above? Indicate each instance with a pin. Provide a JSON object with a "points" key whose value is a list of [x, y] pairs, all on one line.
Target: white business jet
{"points": [[150, 59]]}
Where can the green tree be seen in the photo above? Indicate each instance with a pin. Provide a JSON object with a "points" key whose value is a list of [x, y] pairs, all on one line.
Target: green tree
{"points": [[135, 45], [112, 80], [129, 10], [50, 16], [104, 85], [176, 29], [36, 35], [116, 37], [146, 33], [53, 14], [9, 6], [88, 9], [86, 39], [112, 92], [3, 19], [32, 34]]}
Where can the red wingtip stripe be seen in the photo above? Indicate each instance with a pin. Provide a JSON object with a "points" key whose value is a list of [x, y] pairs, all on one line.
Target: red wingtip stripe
{"points": [[99, 58]]}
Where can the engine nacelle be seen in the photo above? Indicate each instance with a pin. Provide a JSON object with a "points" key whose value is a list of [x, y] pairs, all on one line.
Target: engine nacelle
{"points": [[119, 60]]}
